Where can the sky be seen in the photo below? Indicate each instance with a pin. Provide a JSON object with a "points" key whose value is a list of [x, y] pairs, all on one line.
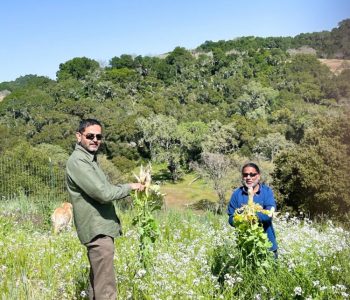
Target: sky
{"points": [[38, 35]]}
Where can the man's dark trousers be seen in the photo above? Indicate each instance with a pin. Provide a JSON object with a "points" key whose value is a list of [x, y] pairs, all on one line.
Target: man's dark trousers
{"points": [[102, 275]]}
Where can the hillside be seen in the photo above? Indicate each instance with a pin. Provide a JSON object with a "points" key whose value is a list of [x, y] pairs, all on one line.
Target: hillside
{"points": [[3, 94], [240, 100], [336, 65]]}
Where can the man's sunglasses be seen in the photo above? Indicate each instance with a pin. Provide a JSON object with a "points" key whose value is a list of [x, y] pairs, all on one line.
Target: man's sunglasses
{"points": [[249, 174], [91, 136]]}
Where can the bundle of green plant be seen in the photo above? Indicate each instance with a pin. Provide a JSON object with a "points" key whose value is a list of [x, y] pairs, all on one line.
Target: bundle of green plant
{"points": [[145, 203], [252, 241]]}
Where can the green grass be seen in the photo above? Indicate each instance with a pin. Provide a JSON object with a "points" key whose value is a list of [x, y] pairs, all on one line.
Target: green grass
{"points": [[188, 190]]}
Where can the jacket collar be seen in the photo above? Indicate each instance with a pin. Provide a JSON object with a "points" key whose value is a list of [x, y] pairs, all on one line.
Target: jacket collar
{"points": [[90, 156]]}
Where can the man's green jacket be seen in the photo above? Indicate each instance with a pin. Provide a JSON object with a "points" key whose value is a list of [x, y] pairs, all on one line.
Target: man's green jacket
{"points": [[92, 195]]}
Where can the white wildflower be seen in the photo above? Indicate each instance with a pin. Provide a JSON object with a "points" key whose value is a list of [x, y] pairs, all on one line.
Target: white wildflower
{"points": [[83, 294], [340, 287], [298, 291], [196, 281], [140, 273], [335, 268], [316, 283], [229, 280]]}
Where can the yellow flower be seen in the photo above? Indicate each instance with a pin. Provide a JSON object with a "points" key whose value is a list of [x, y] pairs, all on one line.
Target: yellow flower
{"points": [[238, 218], [248, 211]]}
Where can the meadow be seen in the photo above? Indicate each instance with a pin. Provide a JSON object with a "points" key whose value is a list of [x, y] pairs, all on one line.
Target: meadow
{"points": [[266, 99], [195, 257]]}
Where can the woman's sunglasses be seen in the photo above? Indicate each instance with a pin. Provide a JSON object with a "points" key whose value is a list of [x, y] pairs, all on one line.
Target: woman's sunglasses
{"points": [[249, 174]]}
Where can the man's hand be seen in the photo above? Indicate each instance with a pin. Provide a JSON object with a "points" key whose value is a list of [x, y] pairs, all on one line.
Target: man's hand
{"points": [[137, 186]]}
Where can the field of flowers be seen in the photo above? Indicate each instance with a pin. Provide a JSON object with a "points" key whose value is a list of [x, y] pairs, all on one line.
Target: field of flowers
{"points": [[194, 257]]}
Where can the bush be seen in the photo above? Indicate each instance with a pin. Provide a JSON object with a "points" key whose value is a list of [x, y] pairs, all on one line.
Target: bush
{"points": [[29, 171], [312, 176], [124, 164]]}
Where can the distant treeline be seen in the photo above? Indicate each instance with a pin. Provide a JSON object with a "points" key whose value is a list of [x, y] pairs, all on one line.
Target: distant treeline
{"points": [[327, 44], [249, 98]]}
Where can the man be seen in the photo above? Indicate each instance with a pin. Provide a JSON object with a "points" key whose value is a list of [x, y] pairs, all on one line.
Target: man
{"points": [[95, 218], [263, 195]]}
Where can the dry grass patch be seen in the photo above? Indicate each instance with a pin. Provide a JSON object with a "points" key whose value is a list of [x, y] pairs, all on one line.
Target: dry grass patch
{"points": [[336, 65]]}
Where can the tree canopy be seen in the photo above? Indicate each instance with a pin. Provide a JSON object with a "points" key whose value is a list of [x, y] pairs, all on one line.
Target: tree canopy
{"points": [[248, 98]]}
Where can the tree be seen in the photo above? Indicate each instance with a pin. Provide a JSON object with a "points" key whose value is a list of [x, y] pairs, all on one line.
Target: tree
{"points": [[30, 171], [77, 68], [124, 61], [221, 138], [312, 176], [216, 168], [310, 79], [269, 146], [248, 132], [192, 135], [161, 135], [121, 75], [28, 81], [343, 84], [164, 71], [341, 40], [219, 60], [257, 101], [10, 137], [179, 58]]}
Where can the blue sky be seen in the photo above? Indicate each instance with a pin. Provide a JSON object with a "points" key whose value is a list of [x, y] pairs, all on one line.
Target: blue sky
{"points": [[38, 35]]}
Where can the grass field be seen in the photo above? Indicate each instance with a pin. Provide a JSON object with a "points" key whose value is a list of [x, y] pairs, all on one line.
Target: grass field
{"points": [[188, 191], [194, 257]]}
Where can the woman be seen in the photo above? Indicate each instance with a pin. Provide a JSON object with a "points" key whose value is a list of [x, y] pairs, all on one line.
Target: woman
{"points": [[263, 195]]}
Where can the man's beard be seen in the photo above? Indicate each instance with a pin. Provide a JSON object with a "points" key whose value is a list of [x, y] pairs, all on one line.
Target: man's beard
{"points": [[253, 185]]}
